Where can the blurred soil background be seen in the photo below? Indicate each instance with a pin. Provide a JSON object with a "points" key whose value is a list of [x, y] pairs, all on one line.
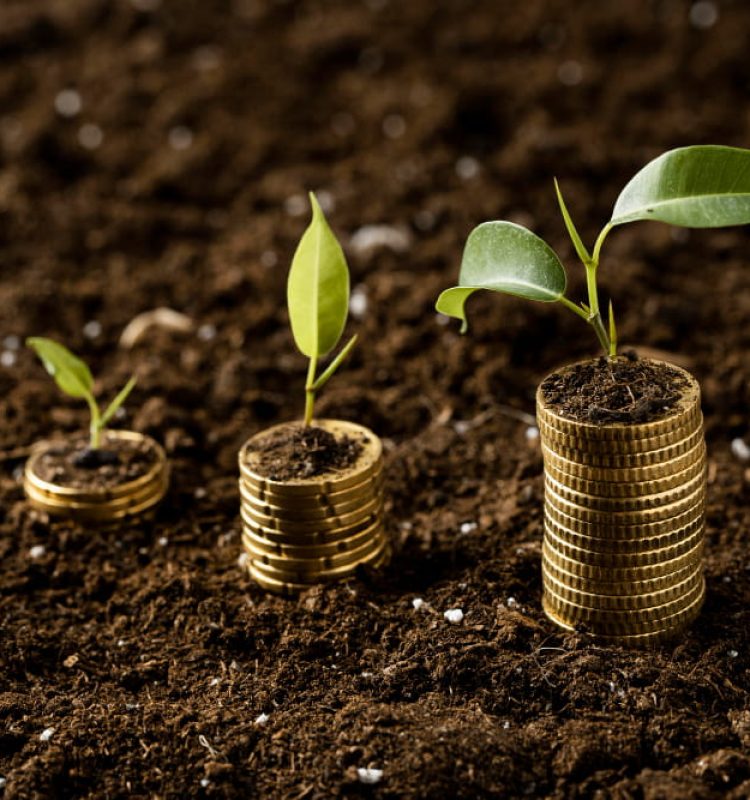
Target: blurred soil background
{"points": [[159, 154]]}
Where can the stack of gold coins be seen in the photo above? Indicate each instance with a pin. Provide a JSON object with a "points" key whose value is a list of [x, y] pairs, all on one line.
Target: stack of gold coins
{"points": [[306, 531], [102, 505], [624, 520]]}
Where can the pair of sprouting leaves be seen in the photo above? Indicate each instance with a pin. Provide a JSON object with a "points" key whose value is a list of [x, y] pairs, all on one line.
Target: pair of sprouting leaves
{"points": [[74, 377], [704, 186]]}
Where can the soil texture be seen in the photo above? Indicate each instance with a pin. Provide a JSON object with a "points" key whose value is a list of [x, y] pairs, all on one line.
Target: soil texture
{"points": [[297, 452], [159, 154], [626, 389], [73, 464]]}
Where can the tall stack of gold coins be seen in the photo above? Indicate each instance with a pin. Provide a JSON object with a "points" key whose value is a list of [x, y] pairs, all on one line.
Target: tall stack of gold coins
{"points": [[624, 519], [306, 531], [99, 505]]}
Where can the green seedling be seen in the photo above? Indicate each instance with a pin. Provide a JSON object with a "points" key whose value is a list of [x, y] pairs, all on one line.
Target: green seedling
{"points": [[318, 302], [706, 186], [74, 377]]}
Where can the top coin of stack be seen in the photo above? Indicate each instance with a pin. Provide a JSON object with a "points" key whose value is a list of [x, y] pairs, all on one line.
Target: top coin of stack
{"points": [[624, 519], [305, 531]]}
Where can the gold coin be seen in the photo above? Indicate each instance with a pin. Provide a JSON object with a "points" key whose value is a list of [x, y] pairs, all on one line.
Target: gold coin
{"points": [[569, 439], [666, 511], [589, 472], [686, 407], [616, 572], [285, 563], [626, 489], [371, 483], [367, 463], [626, 460], [306, 511], [618, 587], [628, 601], [620, 504], [314, 574], [319, 535], [626, 622], [621, 560], [654, 637], [261, 545], [605, 544], [609, 529], [288, 588], [307, 526]]}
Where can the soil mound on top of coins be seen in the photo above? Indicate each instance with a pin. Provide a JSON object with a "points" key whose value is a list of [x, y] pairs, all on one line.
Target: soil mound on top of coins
{"points": [[75, 465], [627, 389], [296, 452]]}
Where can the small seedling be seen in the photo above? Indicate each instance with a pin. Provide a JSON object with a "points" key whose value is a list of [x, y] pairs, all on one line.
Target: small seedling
{"points": [[318, 302], [705, 186], [74, 377]]}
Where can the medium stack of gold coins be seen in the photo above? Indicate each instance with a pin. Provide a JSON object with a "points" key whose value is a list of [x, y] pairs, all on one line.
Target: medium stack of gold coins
{"points": [[624, 520], [301, 532], [96, 505]]}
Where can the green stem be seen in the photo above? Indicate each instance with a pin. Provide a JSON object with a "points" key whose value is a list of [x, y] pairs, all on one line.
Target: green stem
{"points": [[599, 242], [310, 391], [574, 308], [95, 428]]}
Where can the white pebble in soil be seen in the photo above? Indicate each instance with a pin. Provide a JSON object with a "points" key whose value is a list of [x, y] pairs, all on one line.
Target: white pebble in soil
{"points": [[733, 654], [90, 136], [37, 551], [296, 205], [262, 719], [358, 302], [205, 782], [369, 775], [180, 138], [12, 342], [8, 358], [268, 259], [2, 782], [467, 168], [454, 615], [46, 734], [511, 602], [207, 332], [68, 103], [372, 237], [442, 319], [417, 603], [570, 73], [242, 560], [704, 15], [162, 541], [468, 527], [532, 433], [92, 329], [740, 449]]}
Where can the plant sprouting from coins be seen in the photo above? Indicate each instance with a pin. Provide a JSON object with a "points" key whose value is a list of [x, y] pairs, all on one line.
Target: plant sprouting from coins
{"points": [[318, 302], [704, 186], [75, 379]]}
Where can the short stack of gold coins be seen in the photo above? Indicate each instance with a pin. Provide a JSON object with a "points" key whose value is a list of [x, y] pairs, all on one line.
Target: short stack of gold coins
{"points": [[298, 533], [99, 506], [624, 519]]}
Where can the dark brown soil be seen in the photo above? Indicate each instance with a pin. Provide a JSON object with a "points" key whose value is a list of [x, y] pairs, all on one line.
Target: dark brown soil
{"points": [[302, 452], [626, 389], [148, 652], [74, 465]]}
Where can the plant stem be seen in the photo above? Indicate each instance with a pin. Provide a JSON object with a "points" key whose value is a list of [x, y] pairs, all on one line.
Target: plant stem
{"points": [[310, 391], [95, 427]]}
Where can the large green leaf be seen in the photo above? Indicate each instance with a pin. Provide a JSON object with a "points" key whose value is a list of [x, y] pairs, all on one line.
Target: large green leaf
{"points": [[706, 186], [318, 288], [505, 257], [69, 372]]}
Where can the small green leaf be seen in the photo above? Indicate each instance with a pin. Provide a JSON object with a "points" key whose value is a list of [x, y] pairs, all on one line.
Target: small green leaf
{"points": [[69, 372], [583, 253], [508, 258], [117, 402], [705, 186], [318, 288]]}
